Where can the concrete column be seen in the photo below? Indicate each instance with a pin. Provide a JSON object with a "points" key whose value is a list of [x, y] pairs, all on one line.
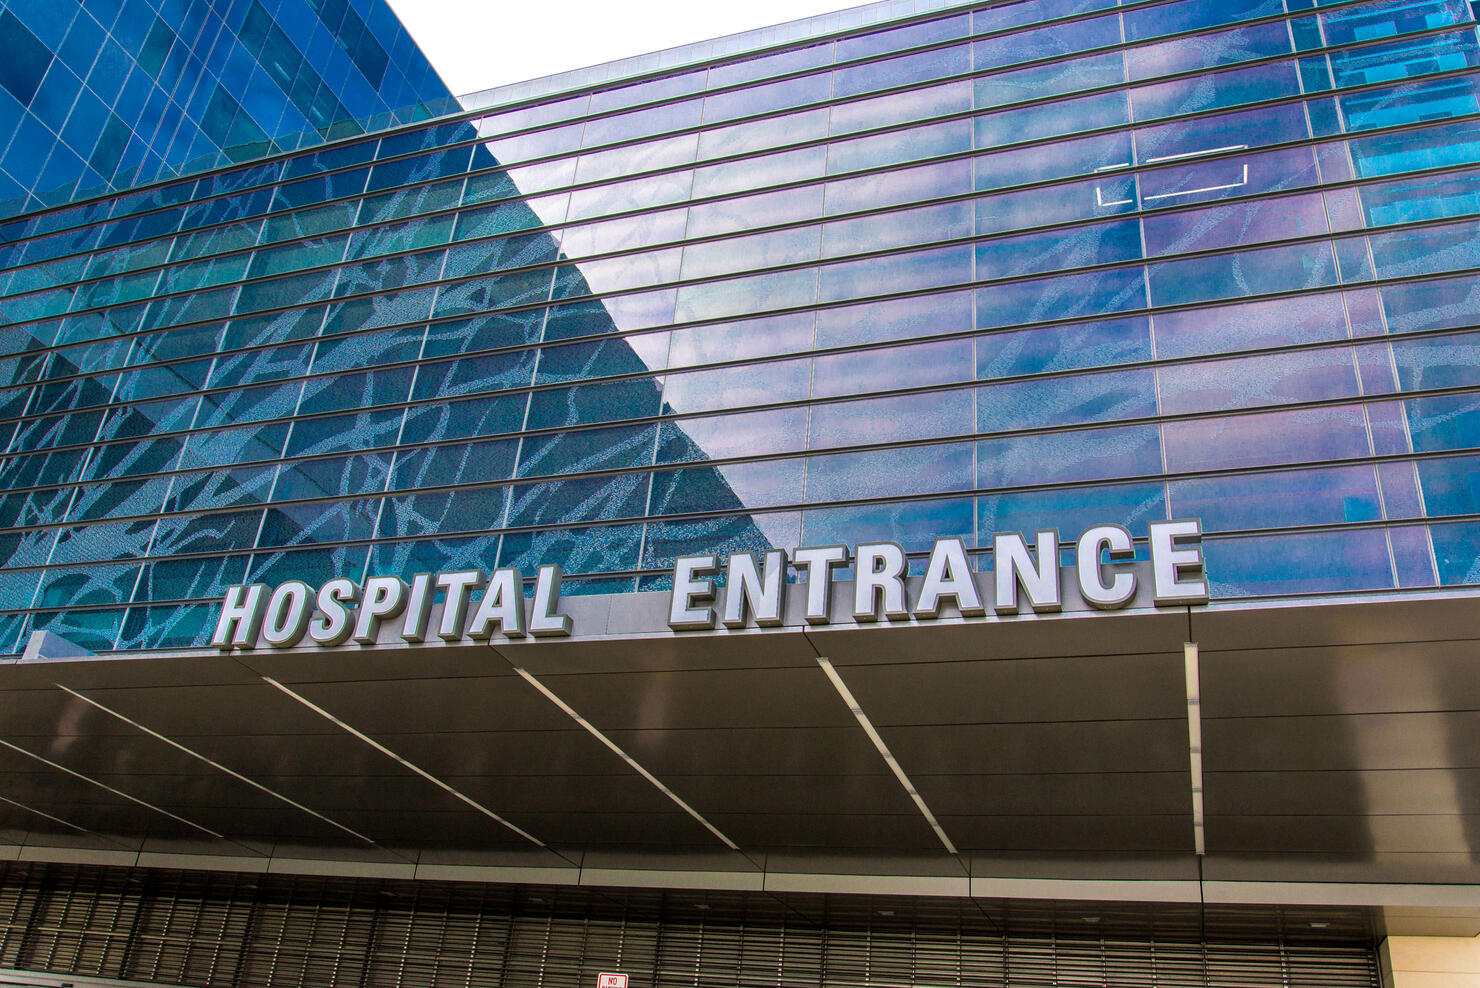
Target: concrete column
{"points": [[1430, 962]]}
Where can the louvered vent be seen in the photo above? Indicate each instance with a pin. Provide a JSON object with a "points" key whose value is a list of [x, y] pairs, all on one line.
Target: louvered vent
{"points": [[207, 929]]}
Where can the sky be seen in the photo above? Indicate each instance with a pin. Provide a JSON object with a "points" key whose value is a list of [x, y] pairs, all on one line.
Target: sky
{"points": [[479, 44]]}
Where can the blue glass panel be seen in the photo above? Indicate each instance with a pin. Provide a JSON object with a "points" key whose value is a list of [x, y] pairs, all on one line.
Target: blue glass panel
{"points": [[406, 559], [721, 534], [1331, 496], [117, 499], [1269, 379], [1193, 14], [899, 38], [891, 472], [485, 332], [104, 541], [1060, 457], [1250, 325], [464, 298], [1457, 552], [222, 532], [313, 566], [734, 387], [1216, 90], [429, 512], [25, 549], [1101, 243], [595, 549], [740, 340], [894, 419], [248, 404], [127, 459], [342, 433], [253, 366], [1208, 49], [589, 403], [464, 418], [95, 631], [1444, 422], [458, 463], [1427, 251], [1072, 511], [220, 488], [582, 450], [563, 502], [1451, 486], [471, 375], [1320, 562], [781, 430], [916, 365], [1443, 362], [725, 488], [901, 70], [1295, 436], [1051, 120], [363, 390], [1285, 218], [190, 579], [339, 476], [913, 524], [772, 96], [226, 447], [1053, 348], [1064, 296], [1253, 272], [338, 521], [1016, 405], [83, 586], [40, 469], [189, 626]]}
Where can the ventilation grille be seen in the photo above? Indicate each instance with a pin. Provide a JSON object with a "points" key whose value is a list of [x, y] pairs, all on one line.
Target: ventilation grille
{"points": [[207, 929]]}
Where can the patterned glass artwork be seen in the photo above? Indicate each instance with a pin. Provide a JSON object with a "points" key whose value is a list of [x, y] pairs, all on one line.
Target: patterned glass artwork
{"points": [[1050, 263]]}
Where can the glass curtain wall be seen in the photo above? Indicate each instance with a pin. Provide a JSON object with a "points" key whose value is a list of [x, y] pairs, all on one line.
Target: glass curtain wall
{"points": [[107, 94], [1041, 264]]}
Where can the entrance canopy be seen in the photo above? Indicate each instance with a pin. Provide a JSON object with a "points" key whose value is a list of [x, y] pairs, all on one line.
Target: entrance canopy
{"points": [[1313, 751]]}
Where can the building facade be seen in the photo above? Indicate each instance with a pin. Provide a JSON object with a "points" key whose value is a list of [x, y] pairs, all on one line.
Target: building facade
{"points": [[276, 311]]}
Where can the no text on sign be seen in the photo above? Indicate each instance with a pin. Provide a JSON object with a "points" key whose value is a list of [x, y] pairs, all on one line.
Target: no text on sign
{"points": [[611, 981]]}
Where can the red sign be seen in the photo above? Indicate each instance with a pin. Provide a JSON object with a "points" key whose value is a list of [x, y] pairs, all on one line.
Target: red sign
{"points": [[611, 981]]}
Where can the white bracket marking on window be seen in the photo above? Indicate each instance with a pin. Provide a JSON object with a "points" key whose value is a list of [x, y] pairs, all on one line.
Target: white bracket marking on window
{"points": [[1099, 199], [1243, 178], [1196, 154], [1206, 188]]}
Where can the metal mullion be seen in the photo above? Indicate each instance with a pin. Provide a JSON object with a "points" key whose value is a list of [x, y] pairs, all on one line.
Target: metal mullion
{"points": [[503, 166], [1110, 368], [953, 386], [979, 152], [472, 115], [892, 251], [294, 418], [661, 380], [406, 407], [985, 73], [1047, 184], [1211, 536]]}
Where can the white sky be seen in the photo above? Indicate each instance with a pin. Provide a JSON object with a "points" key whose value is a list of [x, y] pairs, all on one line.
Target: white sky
{"points": [[479, 44]]}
